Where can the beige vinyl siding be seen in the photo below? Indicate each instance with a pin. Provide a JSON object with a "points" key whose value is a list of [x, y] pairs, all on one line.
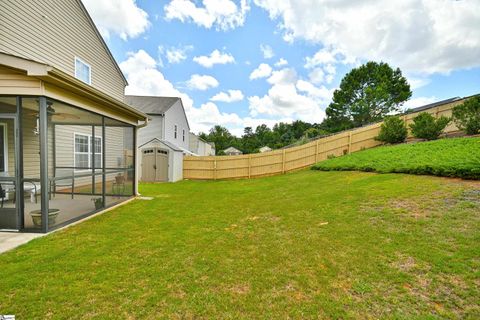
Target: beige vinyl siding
{"points": [[11, 81], [31, 148], [8, 124], [11, 147], [55, 32], [65, 144], [154, 129]]}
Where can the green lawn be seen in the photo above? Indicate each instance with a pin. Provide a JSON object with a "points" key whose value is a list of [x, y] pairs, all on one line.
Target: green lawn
{"points": [[458, 157], [303, 245]]}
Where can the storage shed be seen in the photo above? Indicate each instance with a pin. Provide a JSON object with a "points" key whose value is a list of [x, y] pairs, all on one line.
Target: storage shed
{"points": [[161, 161]]}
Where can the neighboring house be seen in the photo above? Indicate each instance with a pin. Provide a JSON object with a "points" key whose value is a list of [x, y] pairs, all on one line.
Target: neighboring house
{"points": [[168, 126], [265, 149], [200, 147], [67, 139], [231, 151]]}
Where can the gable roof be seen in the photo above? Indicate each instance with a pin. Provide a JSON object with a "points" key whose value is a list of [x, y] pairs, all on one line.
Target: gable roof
{"points": [[94, 27], [151, 104], [154, 105], [164, 142], [231, 149], [50, 74]]}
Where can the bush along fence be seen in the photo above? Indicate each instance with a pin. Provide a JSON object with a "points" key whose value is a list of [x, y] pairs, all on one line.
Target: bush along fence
{"points": [[286, 160]]}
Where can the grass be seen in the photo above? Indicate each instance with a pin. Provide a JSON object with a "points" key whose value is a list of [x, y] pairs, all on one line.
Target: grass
{"points": [[304, 245], [456, 157]]}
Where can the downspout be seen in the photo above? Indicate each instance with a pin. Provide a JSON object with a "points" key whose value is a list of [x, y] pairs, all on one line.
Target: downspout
{"points": [[137, 155], [143, 125]]}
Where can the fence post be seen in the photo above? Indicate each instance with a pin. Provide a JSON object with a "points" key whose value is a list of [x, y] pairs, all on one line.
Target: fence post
{"points": [[349, 142], [215, 169], [283, 161], [316, 150], [249, 165]]}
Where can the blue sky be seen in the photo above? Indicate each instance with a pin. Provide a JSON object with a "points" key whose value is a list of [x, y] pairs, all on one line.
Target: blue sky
{"points": [[177, 48]]}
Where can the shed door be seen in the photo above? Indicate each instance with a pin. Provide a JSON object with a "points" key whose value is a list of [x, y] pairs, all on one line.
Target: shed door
{"points": [[162, 165], [154, 165]]}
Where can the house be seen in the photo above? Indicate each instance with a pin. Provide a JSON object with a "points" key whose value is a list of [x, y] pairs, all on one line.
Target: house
{"points": [[67, 138], [265, 149], [200, 147], [231, 151], [164, 140]]}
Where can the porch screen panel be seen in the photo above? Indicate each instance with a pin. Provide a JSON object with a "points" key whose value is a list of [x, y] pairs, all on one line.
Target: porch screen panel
{"points": [[75, 182], [30, 152], [119, 160]]}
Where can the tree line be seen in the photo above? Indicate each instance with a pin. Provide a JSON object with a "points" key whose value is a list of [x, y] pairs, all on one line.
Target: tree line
{"points": [[366, 94]]}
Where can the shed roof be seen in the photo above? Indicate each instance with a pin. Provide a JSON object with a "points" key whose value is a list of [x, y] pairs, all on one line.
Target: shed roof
{"points": [[151, 104], [231, 149], [164, 142]]}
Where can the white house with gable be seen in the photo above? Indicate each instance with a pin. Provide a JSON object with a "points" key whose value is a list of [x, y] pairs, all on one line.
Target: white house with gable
{"points": [[164, 141]]}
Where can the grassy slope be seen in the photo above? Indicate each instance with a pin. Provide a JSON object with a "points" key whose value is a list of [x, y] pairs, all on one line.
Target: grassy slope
{"points": [[395, 246], [459, 157]]}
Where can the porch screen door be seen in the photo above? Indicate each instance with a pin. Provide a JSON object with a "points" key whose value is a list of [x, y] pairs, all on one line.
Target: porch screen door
{"points": [[8, 177]]}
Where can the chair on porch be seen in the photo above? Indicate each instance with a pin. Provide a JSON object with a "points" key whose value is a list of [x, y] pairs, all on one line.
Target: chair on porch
{"points": [[118, 185], [3, 195], [64, 178], [4, 191]]}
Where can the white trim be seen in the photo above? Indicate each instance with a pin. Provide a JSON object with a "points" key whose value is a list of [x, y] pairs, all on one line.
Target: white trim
{"points": [[5, 146], [89, 70], [89, 152]]}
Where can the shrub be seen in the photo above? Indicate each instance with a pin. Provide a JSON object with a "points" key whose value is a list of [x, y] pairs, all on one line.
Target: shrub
{"points": [[393, 130], [425, 126], [467, 116]]}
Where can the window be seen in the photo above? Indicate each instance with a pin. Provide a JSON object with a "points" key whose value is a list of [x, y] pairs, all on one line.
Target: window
{"points": [[84, 147], [3, 148], [175, 132], [183, 135], [82, 71]]}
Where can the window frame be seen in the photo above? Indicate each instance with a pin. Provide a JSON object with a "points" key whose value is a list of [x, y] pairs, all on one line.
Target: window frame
{"points": [[175, 130], [183, 137], [4, 128], [89, 70], [91, 145]]}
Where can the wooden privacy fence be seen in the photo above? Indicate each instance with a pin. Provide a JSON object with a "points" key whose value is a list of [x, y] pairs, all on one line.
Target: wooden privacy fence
{"points": [[286, 160]]}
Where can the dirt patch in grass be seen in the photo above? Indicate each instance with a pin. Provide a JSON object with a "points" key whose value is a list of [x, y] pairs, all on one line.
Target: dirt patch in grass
{"points": [[432, 205]]}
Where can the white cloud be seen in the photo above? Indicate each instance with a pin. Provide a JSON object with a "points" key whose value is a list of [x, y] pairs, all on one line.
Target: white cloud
{"points": [[216, 57], [284, 76], [262, 71], [418, 102], [144, 78], [267, 51], [317, 76], [175, 54], [223, 14], [202, 82], [121, 17], [230, 96], [290, 97], [208, 115], [417, 82], [421, 36], [323, 56], [281, 63]]}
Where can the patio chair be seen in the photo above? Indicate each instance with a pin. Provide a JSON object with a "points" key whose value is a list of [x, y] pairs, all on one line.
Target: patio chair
{"points": [[3, 195], [4, 190], [118, 184], [64, 178]]}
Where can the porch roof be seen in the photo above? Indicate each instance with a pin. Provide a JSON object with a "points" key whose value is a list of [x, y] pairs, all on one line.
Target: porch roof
{"points": [[56, 77]]}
